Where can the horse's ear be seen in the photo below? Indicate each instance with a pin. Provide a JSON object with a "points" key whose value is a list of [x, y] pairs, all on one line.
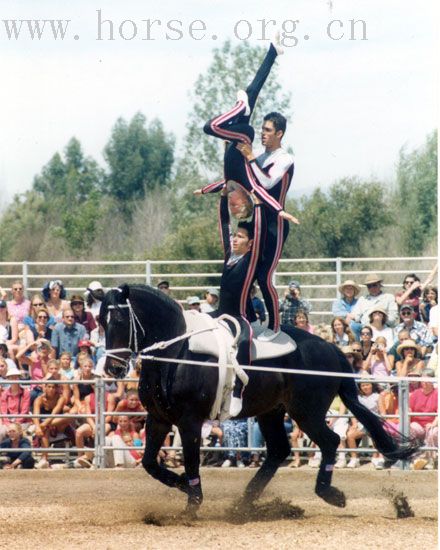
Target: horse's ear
{"points": [[125, 291]]}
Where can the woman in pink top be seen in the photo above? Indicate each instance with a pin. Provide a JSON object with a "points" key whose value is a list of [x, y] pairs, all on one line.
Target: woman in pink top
{"points": [[377, 363], [14, 400], [42, 353], [19, 306]]}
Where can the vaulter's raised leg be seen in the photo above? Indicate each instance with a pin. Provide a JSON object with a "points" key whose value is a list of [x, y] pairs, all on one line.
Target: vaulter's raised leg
{"points": [[156, 433], [278, 449], [190, 430]]}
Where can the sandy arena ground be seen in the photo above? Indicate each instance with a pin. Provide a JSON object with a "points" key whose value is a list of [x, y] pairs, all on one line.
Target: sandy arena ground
{"points": [[106, 509]]}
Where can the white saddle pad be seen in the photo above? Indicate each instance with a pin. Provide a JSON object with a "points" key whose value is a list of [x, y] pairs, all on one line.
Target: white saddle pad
{"points": [[206, 342]]}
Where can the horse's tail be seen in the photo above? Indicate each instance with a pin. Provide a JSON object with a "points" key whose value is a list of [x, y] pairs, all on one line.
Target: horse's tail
{"points": [[394, 447]]}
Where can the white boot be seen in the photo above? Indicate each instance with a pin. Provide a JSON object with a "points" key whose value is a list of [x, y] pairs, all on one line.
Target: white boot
{"points": [[276, 43]]}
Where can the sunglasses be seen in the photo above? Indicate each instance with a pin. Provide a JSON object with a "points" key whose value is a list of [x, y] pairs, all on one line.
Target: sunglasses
{"points": [[408, 282], [372, 285], [405, 313], [68, 316], [365, 334], [42, 317], [38, 304], [77, 303]]}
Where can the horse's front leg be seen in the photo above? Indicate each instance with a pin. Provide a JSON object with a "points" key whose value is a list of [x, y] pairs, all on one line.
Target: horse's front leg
{"points": [[156, 433], [190, 429]]}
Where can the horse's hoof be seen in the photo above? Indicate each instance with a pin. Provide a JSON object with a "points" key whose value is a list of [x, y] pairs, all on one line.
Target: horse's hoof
{"points": [[191, 512], [332, 496]]}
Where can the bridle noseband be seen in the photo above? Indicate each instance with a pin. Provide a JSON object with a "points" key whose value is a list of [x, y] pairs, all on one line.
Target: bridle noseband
{"points": [[133, 344]]}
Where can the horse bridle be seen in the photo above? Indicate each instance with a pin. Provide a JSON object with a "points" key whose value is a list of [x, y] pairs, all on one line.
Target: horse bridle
{"points": [[133, 338]]}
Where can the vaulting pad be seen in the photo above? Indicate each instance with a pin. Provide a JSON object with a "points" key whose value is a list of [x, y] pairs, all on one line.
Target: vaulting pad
{"points": [[208, 342]]}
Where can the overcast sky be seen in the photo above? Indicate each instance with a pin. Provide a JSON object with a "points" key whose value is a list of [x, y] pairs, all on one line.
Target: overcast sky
{"points": [[355, 102]]}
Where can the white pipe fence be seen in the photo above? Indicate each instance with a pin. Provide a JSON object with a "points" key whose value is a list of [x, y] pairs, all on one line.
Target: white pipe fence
{"points": [[319, 277], [100, 416]]}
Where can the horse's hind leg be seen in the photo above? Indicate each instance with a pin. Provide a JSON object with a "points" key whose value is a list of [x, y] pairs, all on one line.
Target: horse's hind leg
{"points": [[328, 441], [156, 433], [190, 429], [278, 449]]}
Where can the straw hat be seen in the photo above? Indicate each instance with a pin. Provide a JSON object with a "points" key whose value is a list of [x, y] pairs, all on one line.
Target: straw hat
{"points": [[348, 350], [408, 344], [349, 282], [380, 310], [372, 278]]}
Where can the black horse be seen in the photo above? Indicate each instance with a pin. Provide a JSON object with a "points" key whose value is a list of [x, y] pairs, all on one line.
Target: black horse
{"points": [[136, 316]]}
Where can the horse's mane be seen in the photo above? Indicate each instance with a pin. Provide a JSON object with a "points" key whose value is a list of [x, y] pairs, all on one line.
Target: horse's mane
{"points": [[143, 295]]}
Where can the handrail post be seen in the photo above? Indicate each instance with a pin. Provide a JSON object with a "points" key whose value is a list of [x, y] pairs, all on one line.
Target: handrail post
{"points": [[404, 415], [338, 275], [25, 275], [100, 423], [148, 272]]}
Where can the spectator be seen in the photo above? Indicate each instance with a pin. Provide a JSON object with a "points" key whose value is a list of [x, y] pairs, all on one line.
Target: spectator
{"points": [[193, 303], [131, 404], [14, 400], [164, 286], [433, 321], [125, 436], [425, 428], [8, 329], [393, 355], [359, 316], [258, 305], [366, 341], [81, 391], [37, 303], [430, 300], [235, 434], [19, 306], [301, 320], [97, 338], [353, 356], [342, 335], [411, 363], [388, 405], [86, 346], [377, 363], [20, 458], [82, 317], [54, 294], [66, 368], [3, 372], [134, 373], [369, 397], [211, 301], [378, 322], [87, 430], [412, 291], [410, 295], [292, 303], [295, 436], [37, 361], [94, 295], [418, 331], [67, 334], [38, 327], [54, 373], [324, 331], [49, 402], [341, 307]]}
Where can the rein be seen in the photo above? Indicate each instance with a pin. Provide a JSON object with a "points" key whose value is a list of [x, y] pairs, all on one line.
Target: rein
{"points": [[133, 345]]}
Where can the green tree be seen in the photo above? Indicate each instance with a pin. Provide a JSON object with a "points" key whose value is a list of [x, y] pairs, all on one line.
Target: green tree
{"points": [[417, 195], [232, 68], [335, 223], [139, 157]]}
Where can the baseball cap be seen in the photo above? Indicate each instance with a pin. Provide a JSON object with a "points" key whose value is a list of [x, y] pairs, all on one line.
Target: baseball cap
{"points": [[294, 284]]}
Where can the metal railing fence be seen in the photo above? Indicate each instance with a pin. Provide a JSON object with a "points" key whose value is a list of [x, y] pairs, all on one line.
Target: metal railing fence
{"points": [[100, 415], [319, 277]]}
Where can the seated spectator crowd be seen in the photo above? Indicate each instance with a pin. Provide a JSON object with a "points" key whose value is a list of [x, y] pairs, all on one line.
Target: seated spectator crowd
{"points": [[50, 340]]}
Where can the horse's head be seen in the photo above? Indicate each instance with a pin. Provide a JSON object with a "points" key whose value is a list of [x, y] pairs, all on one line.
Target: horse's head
{"points": [[134, 317], [123, 333]]}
